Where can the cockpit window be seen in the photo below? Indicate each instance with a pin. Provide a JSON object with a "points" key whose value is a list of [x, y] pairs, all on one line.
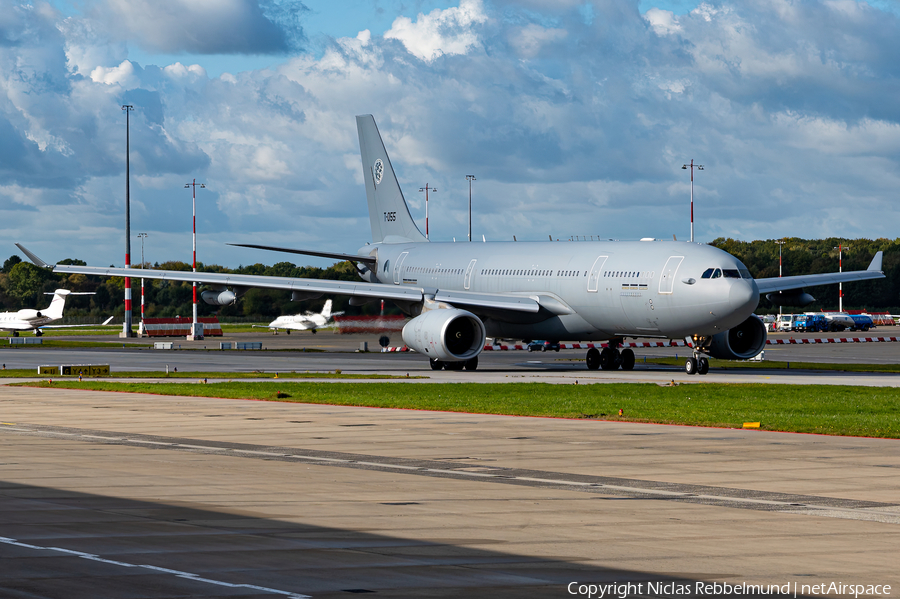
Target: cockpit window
{"points": [[717, 274], [707, 273], [745, 273], [731, 273]]}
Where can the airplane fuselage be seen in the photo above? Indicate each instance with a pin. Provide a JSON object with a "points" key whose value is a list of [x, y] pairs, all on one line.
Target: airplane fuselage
{"points": [[14, 321], [593, 290]]}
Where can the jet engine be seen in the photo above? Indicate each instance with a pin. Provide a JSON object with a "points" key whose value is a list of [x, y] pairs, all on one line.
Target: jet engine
{"points": [[218, 297], [29, 314], [448, 335], [741, 342]]}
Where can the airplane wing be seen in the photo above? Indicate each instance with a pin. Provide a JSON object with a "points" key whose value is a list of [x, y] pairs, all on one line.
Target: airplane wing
{"points": [[105, 323], [351, 288], [786, 283]]}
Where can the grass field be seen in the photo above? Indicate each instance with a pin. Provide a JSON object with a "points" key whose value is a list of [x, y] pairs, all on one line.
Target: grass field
{"points": [[825, 409], [159, 374], [777, 365]]}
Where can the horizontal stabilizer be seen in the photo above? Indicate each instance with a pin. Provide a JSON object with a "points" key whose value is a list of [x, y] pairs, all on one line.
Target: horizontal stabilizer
{"points": [[369, 260]]}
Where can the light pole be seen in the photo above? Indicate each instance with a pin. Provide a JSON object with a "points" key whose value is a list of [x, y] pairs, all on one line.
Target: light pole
{"points": [[470, 178], [780, 245], [126, 327], [699, 167], [142, 236], [425, 189], [840, 248], [196, 328]]}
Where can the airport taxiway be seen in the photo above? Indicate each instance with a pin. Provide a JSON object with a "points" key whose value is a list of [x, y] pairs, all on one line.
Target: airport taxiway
{"points": [[337, 352], [127, 495]]}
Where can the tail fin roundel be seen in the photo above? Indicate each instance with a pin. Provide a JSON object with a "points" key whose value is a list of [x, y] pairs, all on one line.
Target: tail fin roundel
{"points": [[388, 212]]}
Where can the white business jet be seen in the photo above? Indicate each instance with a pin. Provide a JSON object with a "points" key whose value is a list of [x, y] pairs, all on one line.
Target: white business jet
{"points": [[303, 322]]}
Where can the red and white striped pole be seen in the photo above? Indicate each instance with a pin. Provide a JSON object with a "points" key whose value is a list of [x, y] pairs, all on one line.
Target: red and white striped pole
{"points": [[426, 189], [699, 167], [126, 327], [142, 236], [194, 328]]}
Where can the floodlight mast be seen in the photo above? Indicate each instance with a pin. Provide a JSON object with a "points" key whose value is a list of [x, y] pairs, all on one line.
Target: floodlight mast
{"points": [[470, 178], [780, 245], [196, 331], [840, 248], [699, 167], [126, 326], [142, 236], [426, 189]]}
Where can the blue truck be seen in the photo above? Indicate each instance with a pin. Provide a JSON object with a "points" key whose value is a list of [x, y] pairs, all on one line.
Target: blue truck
{"points": [[863, 322], [810, 323]]}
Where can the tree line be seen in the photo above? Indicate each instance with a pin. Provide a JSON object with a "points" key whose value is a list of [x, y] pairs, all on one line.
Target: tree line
{"points": [[23, 285]]}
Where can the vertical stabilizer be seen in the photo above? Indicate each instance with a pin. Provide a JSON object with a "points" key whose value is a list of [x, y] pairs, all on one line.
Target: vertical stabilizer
{"points": [[55, 311], [388, 212], [326, 311]]}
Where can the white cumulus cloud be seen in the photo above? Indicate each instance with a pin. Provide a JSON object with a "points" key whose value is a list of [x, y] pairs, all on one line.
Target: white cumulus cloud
{"points": [[440, 32]]}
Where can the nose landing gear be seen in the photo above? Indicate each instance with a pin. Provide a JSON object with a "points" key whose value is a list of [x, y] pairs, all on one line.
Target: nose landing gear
{"points": [[698, 363]]}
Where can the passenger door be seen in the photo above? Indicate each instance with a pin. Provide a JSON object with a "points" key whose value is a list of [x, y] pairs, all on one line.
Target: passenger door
{"points": [[667, 278], [397, 267], [469, 270], [594, 278]]}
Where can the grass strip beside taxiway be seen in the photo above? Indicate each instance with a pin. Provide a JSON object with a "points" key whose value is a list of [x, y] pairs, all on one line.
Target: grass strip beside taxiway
{"points": [[18, 373], [823, 409]]}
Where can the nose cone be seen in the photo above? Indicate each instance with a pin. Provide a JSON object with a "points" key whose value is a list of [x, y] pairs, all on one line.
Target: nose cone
{"points": [[743, 297]]}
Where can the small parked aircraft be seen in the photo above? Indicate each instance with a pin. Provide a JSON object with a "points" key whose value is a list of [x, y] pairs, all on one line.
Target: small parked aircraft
{"points": [[303, 322]]}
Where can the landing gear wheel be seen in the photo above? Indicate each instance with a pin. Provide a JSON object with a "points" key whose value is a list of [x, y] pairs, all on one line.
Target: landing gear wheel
{"points": [[454, 365], [592, 359], [287, 332], [15, 333], [472, 364], [313, 332], [436, 364], [690, 366], [609, 359], [38, 333], [702, 365], [627, 359]]}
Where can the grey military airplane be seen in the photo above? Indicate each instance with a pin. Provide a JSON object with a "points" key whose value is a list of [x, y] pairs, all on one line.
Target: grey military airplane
{"points": [[459, 293]]}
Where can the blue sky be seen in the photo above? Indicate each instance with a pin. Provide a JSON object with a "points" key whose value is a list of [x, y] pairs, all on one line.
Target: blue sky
{"points": [[574, 116]]}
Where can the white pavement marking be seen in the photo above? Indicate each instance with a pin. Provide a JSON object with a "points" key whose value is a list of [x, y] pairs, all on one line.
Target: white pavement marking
{"points": [[888, 516], [178, 573]]}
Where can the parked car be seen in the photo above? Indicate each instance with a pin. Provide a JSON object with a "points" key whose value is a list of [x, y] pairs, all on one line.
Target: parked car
{"points": [[540, 345]]}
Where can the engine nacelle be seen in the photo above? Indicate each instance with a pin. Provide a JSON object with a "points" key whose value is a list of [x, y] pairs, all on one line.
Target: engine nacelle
{"points": [[741, 342], [218, 297], [29, 314], [449, 335], [793, 297]]}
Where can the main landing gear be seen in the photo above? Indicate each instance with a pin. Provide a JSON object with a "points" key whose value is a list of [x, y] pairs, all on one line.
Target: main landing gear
{"points": [[609, 358]]}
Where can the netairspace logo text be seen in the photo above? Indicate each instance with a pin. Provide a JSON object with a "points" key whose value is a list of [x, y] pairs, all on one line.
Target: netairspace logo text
{"points": [[621, 590]]}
